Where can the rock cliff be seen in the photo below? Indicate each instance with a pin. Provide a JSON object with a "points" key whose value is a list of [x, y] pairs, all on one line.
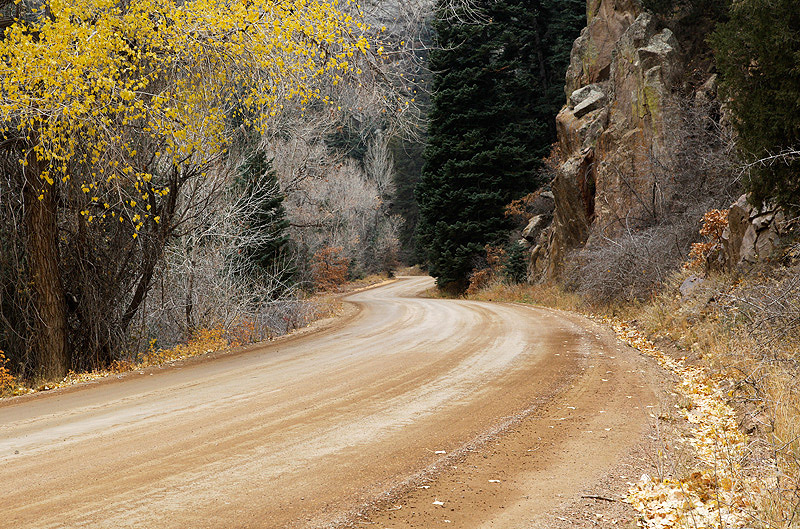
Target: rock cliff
{"points": [[615, 132]]}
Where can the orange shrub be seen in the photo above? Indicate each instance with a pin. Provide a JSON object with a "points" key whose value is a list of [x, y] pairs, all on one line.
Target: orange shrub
{"points": [[478, 279], [704, 255], [518, 209], [329, 268], [7, 380], [243, 332]]}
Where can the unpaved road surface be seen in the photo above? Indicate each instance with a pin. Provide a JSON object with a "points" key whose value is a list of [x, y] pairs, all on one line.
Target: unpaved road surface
{"points": [[370, 421]]}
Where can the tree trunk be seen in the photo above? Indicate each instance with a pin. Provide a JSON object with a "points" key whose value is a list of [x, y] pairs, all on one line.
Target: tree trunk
{"points": [[49, 340], [540, 57]]}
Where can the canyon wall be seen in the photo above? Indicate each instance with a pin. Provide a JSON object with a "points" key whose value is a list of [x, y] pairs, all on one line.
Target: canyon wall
{"points": [[616, 131]]}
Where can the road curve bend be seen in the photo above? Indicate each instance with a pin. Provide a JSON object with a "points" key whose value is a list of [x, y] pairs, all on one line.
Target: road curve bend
{"points": [[312, 431]]}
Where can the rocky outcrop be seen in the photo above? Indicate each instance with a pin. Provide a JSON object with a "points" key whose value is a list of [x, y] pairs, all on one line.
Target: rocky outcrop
{"points": [[752, 234], [590, 61], [611, 133]]}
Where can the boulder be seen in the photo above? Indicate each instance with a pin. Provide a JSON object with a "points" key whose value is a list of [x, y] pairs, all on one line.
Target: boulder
{"points": [[752, 234], [581, 94], [690, 284], [535, 227], [594, 100]]}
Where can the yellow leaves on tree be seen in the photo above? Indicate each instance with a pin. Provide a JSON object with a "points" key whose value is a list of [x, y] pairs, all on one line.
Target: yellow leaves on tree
{"points": [[90, 83]]}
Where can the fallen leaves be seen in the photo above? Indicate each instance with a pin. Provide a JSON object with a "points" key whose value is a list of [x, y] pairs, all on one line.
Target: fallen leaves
{"points": [[715, 495]]}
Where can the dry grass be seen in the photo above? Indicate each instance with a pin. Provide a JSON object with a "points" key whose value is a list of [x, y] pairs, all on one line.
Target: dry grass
{"points": [[741, 339], [548, 295]]}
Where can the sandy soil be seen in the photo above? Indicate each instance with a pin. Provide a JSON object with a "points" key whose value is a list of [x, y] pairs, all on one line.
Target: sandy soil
{"points": [[407, 413]]}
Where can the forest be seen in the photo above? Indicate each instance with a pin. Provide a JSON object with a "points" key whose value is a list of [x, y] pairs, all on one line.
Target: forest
{"points": [[172, 167]]}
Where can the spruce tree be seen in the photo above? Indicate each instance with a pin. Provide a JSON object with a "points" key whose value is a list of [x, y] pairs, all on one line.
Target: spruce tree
{"points": [[498, 84], [263, 253], [758, 54]]}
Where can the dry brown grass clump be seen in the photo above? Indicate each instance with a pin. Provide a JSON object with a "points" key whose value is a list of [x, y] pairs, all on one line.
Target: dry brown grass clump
{"points": [[548, 295]]}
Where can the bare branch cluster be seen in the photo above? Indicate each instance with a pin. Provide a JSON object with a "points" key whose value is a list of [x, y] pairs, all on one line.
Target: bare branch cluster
{"points": [[691, 174]]}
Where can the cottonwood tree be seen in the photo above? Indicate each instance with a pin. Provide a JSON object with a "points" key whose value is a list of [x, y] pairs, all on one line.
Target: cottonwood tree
{"points": [[112, 107], [333, 200], [212, 275]]}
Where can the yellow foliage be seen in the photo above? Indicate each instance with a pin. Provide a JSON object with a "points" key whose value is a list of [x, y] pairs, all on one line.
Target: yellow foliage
{"points": [[715, 496], [86, 82], [203, 341], [7, 380]]}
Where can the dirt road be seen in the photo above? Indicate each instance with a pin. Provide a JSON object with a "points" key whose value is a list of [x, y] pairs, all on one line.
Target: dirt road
{"points": [[371, 420]]}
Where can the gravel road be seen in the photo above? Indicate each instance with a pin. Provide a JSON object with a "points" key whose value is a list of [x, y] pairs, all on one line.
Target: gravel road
{"points": [[408, 412]]}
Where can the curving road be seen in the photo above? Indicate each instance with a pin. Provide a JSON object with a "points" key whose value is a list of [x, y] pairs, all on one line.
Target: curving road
{"points": [[344, 422]]}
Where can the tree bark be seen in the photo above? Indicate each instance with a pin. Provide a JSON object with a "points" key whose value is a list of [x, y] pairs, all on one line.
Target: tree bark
{"points": [[540, 57], [49, 339]]}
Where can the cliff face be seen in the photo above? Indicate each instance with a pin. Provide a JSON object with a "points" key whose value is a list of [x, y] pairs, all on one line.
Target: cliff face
{"points": [[614, 132]]}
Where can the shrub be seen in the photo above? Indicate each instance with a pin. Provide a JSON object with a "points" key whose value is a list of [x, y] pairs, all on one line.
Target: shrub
{"points": [[708, 255], [329, 268], [631, 266], [478, 280], [7, 380]]}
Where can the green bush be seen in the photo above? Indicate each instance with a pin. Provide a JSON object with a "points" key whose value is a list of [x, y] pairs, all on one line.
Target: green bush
{"points": [[758, 55]]}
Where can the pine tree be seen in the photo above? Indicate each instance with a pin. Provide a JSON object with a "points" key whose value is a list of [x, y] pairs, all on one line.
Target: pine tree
{"points": [[498, 84], [264, 250], [758, 54]]}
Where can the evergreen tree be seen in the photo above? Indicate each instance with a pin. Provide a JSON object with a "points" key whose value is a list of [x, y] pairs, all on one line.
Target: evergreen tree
{"points": [[515, 263], [758, 54], [498, 84], [263, 253]]}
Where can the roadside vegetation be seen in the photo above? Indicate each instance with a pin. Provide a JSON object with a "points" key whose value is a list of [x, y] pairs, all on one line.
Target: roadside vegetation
{"points": [[293, 316], [174, 177], [732, 341]]}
